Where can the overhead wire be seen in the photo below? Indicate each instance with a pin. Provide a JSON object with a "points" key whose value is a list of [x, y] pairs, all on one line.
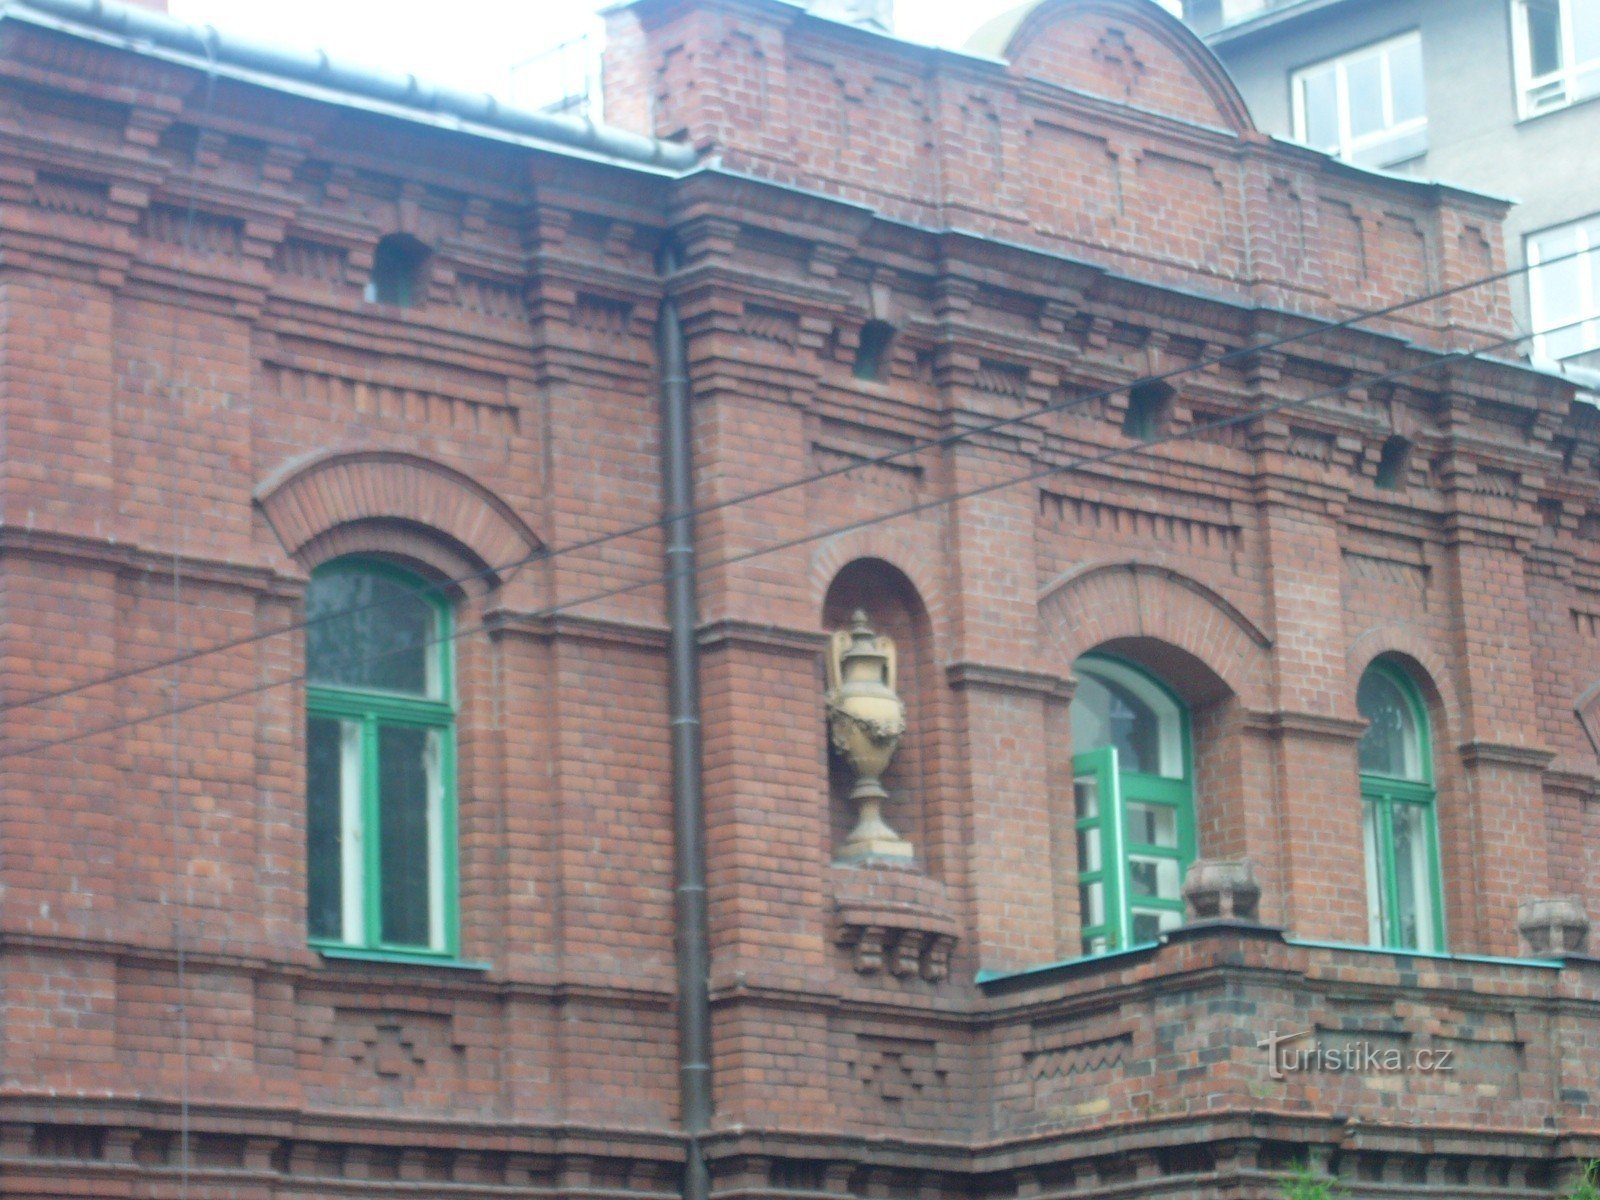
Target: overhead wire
{"points": [[1108, 455], [889, 456]]}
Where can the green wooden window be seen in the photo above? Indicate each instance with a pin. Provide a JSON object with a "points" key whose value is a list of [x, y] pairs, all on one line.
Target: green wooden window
{"points": [[1134, 804], [1405, 907], [380, 763]]}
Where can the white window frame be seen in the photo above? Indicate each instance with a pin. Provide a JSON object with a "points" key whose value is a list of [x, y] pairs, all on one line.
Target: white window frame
{"points": [[1588, 264], [1349, 145], [1566, 75]]}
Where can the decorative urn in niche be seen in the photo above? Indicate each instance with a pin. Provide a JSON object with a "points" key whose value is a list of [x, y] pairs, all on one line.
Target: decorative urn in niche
{"points": [[866, 720]]}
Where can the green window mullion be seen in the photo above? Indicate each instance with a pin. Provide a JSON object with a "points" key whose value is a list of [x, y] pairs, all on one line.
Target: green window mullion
{"points": [[371, 832]]}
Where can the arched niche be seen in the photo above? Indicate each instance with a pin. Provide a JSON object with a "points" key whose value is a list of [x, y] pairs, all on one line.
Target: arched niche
{"points": [[894, 607]]}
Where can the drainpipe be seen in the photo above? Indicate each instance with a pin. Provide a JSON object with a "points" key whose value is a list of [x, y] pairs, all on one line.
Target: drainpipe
{"points": [[688, 800]]}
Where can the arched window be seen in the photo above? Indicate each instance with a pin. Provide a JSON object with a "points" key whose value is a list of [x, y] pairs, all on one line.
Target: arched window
{"points": [[1134, 804], [1405, 909], [380, 763]]}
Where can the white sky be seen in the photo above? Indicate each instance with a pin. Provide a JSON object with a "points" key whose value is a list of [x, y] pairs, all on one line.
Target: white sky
{"points": [[474, 43]]}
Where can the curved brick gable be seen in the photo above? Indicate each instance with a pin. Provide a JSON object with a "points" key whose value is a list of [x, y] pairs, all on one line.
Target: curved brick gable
{"points": [[1128, 51]]}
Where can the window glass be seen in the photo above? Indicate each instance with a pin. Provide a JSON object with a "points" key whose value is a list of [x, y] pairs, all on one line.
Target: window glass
{"points": [[379, 738], [1389, 746], [1368, 106], [1397, 818], [408, 833], [1413, 879], [366, 630], [1585, 30], [1405, 77], [1115, 706], [1132, 805], [1320, 97], [1564, 288], [1544, 35], [324, 829], [1364, 90]]}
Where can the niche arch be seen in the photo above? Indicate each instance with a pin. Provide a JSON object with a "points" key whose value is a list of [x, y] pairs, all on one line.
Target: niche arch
{"points": [[893, 606]]}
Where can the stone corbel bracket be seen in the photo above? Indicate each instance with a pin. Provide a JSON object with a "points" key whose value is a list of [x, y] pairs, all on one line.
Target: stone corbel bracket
{"points": [[903, 939]]}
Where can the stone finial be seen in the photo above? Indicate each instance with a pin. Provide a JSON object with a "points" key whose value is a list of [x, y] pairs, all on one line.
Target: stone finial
{"points": [[1554, 927], [1218, 888]]}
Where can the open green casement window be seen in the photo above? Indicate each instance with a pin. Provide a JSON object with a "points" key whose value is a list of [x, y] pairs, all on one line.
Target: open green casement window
{"points": [[1405, 903], [1134, 805], [380, 764]]}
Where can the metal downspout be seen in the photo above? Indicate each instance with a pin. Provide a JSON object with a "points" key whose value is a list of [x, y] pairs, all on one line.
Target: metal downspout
{"points": [[688, 801]]}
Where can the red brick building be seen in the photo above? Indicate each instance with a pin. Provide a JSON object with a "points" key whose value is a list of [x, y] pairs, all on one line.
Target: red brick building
{"points": [[384, 904]]}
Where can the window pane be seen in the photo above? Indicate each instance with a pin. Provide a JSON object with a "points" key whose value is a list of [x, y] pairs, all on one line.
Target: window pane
{"points": [[1092, 905], [1106, 713], [1364, 94], [324, 884], [1377, 914], [1089, 849], [1146, 927], [409, 832], [1544, 35], [1413, 880], [1585, 31], [1086, 794], [1319, 93], [1153, 824], [1405, 80], [366, 630], [1154, 877], [1391, 745], [333, 829]]}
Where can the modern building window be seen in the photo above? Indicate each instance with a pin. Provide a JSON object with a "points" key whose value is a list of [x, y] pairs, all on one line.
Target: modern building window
{"points": [[1405, 909], [1368, 106], [1134, 804], [1558, 52], [1564, 290], [380, 763]]}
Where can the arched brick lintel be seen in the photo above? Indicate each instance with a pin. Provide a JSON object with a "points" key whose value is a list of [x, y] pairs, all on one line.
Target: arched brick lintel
{"points": [[308, 500], [1101, 602]]}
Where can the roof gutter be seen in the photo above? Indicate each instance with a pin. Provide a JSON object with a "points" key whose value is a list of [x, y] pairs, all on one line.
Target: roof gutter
{"points": [[314, 73]]}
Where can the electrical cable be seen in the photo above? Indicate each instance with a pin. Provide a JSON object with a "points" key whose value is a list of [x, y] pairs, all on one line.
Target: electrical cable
{"points": [[1108, 455], [917, 447]]}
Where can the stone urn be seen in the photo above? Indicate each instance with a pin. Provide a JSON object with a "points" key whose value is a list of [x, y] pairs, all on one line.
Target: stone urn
{"points": [[866, 720]]}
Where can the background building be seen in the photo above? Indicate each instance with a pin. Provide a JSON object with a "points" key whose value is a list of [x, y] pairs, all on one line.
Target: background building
{"points": [[1492, 94], [362, 742]]}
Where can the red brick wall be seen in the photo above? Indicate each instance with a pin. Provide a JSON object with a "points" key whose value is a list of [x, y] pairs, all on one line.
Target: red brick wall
{"points": [[211, 398]]}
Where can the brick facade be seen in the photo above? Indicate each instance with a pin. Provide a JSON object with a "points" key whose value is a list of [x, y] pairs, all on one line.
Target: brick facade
{"points": [[198, 408]]}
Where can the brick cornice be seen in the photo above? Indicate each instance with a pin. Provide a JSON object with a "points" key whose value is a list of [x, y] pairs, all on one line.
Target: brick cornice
{"points": [[1008, 679], [776, 639], [1302, 724], [1499, 754], [552, 626], [131, 559]]}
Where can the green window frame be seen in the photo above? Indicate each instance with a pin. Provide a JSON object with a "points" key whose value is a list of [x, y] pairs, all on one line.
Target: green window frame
{"points": [[381, 765], [1399, 818], [1135, 827]]}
